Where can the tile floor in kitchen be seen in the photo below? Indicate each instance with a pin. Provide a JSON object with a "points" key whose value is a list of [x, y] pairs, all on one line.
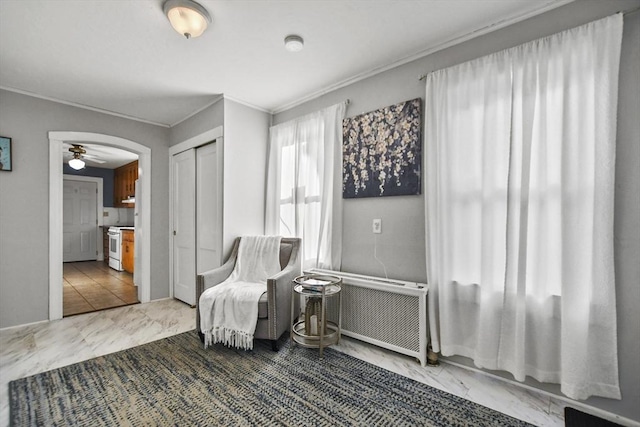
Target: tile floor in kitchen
{"points": [[92, 285]]}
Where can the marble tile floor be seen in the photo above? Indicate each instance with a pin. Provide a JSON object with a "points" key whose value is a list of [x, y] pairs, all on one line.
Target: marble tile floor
{"points": [[39, 347], [30, 349], [91, 285]]}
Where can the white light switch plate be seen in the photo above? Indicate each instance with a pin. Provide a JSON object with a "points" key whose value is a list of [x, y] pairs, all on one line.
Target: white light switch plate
{"points": [[377, 226]]}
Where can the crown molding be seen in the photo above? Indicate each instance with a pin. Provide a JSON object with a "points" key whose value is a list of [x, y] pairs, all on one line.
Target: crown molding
{"points": [[544, 7], [248, 104], [199, 110], [83, 106]]}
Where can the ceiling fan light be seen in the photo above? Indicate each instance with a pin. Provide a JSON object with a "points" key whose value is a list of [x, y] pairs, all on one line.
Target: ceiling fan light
{"points": [[76, 164], [187, 17]]}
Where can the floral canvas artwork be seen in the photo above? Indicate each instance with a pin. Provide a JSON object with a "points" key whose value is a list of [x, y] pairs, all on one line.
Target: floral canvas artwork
{"points": [[382, 152]]}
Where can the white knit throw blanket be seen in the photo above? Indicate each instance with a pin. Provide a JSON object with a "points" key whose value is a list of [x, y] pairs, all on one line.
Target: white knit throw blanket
{"points": [[229, 311]]}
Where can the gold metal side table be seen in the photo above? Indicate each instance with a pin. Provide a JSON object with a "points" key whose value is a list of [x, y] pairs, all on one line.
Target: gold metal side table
{"points": [[313, 330]]}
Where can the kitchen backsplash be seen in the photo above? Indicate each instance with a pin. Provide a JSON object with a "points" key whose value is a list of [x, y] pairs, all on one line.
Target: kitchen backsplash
{"points": [[118, 216]]}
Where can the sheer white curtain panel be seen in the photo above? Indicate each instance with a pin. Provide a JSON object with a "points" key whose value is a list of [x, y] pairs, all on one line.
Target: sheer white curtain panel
{"points": [[520, 149], [304, 192]]}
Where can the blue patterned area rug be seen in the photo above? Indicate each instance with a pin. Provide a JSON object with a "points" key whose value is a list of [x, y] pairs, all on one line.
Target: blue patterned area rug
{"points": [[174, 381]]}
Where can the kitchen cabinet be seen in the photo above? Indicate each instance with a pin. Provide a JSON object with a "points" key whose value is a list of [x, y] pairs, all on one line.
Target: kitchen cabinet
{"points": [[124, 184], [128, 246]]}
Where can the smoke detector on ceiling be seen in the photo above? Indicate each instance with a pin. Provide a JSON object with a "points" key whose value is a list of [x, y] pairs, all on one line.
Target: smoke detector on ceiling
{"points": [[293, 43]]}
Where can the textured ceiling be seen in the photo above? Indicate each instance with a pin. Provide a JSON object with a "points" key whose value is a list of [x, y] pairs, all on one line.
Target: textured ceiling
{"points": [[123, 56]]}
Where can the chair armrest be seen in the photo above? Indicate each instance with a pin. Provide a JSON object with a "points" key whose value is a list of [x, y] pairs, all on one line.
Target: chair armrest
{"points": [[286, 275], [279, 288], [216, 276], [290, 272]]}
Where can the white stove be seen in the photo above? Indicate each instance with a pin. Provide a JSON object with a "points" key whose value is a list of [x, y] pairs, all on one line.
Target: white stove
{"points": [[115, 246]]}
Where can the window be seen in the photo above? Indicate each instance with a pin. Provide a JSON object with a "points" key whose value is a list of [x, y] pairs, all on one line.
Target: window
{"points": [[301, 197]]}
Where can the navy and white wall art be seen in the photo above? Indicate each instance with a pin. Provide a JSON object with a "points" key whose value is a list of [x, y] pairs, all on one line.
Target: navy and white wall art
{"points": [[382, 152]]}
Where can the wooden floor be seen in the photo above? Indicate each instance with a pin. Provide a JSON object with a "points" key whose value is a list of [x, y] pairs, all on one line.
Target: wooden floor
{"points": [[92, 286]]}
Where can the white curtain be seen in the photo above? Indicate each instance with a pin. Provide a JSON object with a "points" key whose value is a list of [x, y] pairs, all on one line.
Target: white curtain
{"points": [[520, 152], [304, 189]]}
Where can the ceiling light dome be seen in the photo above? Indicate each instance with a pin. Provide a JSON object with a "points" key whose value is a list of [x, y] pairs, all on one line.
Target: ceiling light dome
{"points": [[76, 163], [187, 17], [293, 43]]}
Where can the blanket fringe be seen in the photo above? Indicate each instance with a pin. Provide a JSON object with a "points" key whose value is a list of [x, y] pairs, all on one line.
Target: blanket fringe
{"points": [[229, 337]]}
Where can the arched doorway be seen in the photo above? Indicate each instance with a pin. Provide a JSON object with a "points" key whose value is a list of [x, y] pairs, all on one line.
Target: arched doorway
{"points": [[56, 140]]}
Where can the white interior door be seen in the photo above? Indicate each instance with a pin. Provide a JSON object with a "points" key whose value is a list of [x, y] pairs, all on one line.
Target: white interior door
{"points": [[184, 223], [80, 220], [208, 209]]}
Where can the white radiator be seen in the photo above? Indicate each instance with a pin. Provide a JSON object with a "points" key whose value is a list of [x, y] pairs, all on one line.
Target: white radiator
{"points": [[387, 313]]}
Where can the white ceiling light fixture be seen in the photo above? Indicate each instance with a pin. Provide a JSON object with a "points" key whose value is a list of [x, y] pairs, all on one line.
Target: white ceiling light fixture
{"points": [[293, 43], [187, 17], [76, 162]]}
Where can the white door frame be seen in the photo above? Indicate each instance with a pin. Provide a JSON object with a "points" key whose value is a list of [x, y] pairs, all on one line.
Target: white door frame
{"points": [[214, 134], [99, 208], [56, 140]]}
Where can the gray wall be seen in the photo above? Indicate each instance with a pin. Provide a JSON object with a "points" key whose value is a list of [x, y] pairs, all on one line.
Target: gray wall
{"points": [[24, 204], [401, 245], [209, 118], [246, 132]]}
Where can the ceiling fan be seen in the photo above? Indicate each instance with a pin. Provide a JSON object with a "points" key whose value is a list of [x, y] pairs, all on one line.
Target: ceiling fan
{"points": [[78, 154]]}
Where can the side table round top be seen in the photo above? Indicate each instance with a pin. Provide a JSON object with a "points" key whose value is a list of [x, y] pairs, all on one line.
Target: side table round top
{"points": [[315, 284]]}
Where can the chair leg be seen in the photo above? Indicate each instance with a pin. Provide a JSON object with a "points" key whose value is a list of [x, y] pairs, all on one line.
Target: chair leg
{"points": [[274, 345]]}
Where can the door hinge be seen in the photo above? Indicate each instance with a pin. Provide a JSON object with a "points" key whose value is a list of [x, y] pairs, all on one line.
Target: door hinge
{"points": [[174, 232]]}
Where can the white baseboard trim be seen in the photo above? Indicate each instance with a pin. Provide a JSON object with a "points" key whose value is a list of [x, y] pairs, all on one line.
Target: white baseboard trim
{"points": [[609, 416], [159, 299], [22, 325]]}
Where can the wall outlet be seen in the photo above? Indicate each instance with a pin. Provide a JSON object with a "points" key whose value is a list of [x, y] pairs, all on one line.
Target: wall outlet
{"points": [[377, 226]]}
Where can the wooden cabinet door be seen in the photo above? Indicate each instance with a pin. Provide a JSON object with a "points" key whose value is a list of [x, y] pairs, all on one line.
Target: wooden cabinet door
{"points": [[124, 184], [133, 176], [117, 189], [128, 247]]}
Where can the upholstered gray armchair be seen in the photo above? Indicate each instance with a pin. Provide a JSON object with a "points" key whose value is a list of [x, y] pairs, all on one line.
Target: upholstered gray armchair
{"points": [[274, 307]]}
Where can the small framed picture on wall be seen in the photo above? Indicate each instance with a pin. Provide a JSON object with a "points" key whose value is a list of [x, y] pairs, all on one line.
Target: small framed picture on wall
{"points": [[5, 153]]}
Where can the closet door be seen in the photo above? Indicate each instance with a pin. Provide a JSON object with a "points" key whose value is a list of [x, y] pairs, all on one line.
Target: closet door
{"points": [[197, 217], [208, 209], [184, 226]]}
